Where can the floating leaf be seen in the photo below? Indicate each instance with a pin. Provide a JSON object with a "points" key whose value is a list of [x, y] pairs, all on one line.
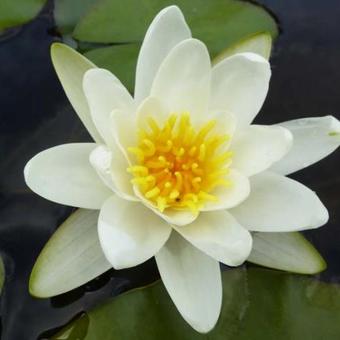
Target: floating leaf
{"points": [[70, 258], [218, 23], [71, 67], [286, 251], [119, 59], [258, 304], [284, 306], [68, 12], [149, 313], [18, 12]]}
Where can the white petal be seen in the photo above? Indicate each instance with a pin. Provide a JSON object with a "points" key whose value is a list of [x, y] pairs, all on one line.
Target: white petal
{"points": [[129, 233], [111, 166], [104, 94], [71, 67], [231, 196], [286, 251], [182, 82], [314, 139], [193, 281], [71, 257], [257, 147], [220, 236], [172, 216], [277, 203], [166, 30], [240, 85], [124, 131], [63, 174]]}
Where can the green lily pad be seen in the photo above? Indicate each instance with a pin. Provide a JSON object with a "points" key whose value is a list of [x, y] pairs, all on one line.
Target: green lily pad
{"points": [[285, 306], [258, 304], [119, 59], [68, 12], [220, 24], [239, 28], [149, 313], [217, 23], [18, 12]]}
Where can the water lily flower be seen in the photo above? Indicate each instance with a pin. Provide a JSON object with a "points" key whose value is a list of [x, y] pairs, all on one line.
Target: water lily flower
{"points": [[179, 171]]}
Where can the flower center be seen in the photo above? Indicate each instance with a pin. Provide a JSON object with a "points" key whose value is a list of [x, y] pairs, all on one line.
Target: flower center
{"points": [[179, 166]]}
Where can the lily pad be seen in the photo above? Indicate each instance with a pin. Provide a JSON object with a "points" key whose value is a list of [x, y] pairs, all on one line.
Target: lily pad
{"points": [[120, 59], [18, 12], [258, 304], [220, 24], [67, 13], [149, 313], [285, 306], [217, 23]]}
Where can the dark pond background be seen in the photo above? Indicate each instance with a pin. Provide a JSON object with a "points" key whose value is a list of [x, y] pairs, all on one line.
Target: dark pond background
{"points": [[35, 115]]}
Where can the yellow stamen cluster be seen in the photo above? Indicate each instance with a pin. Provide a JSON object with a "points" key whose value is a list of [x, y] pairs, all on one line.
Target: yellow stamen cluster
{"points": [[178, 166]]}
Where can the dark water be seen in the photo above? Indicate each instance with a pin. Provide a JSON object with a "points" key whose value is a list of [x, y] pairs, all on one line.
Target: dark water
{"points": [[35, 115]]}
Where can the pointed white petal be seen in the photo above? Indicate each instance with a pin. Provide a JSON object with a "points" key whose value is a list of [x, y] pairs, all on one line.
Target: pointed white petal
{"points": [[129, 233], [71, 67], [172, 216], [70, 258], [111, 165], [259, 43], [104, 94], [124, 131], [257, 147], [277, 203], [193, 281], [314, 139], [166, 31], [182, 82], [231, 196], [63, 174], [240, 84], [220, 236], [286, 251]]}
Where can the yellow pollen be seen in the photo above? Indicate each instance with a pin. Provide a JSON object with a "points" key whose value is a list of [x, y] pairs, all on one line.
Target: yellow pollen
{"points": [[178, 165]]}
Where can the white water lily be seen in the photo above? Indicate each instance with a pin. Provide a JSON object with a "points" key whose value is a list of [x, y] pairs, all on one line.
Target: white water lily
{"points": [[178, 172]]}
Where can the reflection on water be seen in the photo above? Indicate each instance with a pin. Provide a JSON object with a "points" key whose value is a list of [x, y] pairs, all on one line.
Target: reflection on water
{"points": [[36, 115]]}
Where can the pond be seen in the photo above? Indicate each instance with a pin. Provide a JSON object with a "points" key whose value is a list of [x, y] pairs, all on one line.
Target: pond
{"points": [[35, 115]]}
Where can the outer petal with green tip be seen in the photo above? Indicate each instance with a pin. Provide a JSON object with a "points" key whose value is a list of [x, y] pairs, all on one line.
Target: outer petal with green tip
{"points": [[286, 251], [70, 258], [314, 139], [71, 67], [258, 43]]}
